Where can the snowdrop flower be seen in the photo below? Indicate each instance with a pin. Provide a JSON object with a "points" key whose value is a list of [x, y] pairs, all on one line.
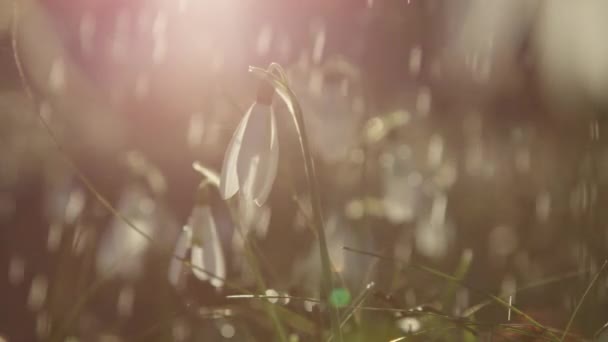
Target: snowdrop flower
{"points": [[200, 237], [251, 160]]}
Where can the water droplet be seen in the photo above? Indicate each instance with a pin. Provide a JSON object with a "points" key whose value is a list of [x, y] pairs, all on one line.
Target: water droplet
{"points": [[285, 299], [273, 294], [309, 305], [408, 325]]}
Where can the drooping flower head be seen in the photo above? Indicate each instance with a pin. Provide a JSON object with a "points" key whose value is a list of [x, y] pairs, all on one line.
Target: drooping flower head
{"points": [[251, 160], [201, 239]]}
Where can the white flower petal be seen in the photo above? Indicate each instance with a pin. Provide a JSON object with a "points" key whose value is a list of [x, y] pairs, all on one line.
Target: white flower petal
{"points": [[258, 161], [215, 256], [207, 250], [266, 183], [229, 181], [198, 261], [176, 266]]}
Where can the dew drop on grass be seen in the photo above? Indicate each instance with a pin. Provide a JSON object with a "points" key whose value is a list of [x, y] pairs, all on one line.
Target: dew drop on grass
{"points": [[408, 325], [309, 305], [273, 295], [285, 298]]}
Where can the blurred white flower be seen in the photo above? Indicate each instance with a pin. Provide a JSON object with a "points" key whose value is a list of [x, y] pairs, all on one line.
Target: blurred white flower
{"points": [[201, 238], [251, 160], [122, 249]]}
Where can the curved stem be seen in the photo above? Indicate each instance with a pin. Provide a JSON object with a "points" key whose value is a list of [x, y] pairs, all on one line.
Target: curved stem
{"points": [[311, 178]]}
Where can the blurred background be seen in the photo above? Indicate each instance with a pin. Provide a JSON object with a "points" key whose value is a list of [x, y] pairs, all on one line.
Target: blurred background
{"points": [[463, 135]]}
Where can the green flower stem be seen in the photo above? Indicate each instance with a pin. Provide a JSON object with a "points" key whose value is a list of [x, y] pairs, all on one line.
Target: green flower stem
{"points": [[291, 101]]}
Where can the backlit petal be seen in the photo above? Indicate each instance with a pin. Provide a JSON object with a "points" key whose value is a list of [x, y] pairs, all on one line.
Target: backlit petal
{"points": [[229, 181], [259, 156], [198, 261], [267, 179], [215, 255], [207, 253]]}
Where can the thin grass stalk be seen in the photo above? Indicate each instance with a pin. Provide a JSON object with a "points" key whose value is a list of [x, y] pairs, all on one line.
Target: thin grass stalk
{"points": [[580, 302]]}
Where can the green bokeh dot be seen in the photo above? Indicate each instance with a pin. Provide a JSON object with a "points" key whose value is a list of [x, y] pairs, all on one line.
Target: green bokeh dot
{"points": [[339, 297]]}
